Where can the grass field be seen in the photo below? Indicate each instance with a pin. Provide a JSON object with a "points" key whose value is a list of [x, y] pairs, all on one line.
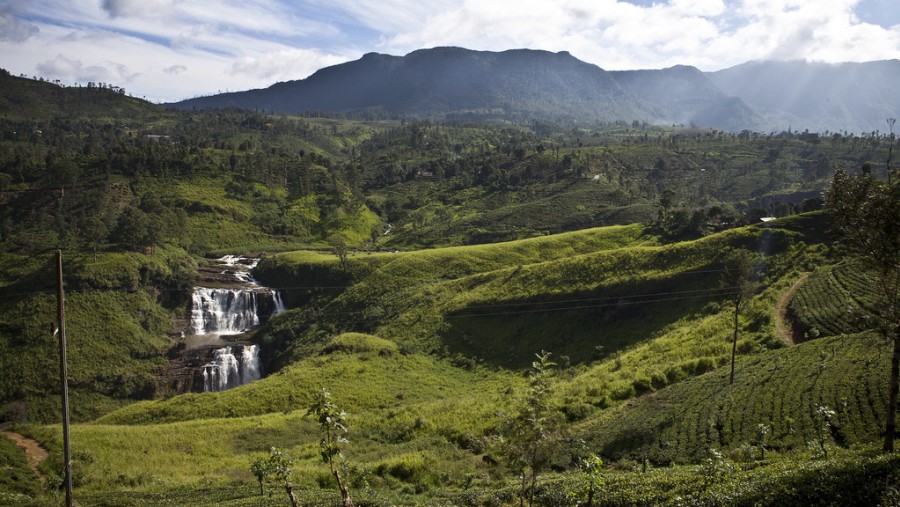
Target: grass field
{"points": [[640, 330]]}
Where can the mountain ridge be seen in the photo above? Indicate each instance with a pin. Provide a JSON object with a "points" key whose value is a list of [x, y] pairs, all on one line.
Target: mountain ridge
{"points": [[452, 82]]}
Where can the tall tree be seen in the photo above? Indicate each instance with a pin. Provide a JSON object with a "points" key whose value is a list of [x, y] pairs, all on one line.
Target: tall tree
{"points": [[739, 278], [866, 220]]}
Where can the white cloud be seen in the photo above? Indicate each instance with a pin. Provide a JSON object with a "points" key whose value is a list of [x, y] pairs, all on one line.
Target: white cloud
{"points": [[175, 69], [620, 35], [67, 69], [12, 28], [284, 65]]}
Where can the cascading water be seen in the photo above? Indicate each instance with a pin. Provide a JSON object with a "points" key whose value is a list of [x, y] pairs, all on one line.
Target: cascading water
{"points": [[250, 368], [236, 309], [223, 311], [228, 370], [279, 304]]}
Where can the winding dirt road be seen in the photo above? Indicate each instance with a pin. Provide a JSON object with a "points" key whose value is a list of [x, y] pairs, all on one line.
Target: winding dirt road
{"points": [[782, 325], [33, 450]]}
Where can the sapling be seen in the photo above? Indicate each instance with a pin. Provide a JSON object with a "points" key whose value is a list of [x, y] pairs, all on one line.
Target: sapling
{"points": [[259, 467], [762, 434], [529, 433], [278, 466], [333, 425], [739, 276], [590, 467], [823, 433]]}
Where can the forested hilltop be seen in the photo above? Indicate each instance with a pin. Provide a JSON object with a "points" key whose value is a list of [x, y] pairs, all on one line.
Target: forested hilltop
{"points": [[136, 175], [533, 311]]}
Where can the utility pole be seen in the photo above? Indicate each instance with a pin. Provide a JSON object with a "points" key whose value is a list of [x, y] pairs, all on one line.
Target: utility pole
{"points": [[63, 376], [890, 122]]}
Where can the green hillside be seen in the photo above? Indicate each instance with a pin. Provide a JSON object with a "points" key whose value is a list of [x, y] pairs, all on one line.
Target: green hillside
{"points": [[424, 266], [465, 306], [780, 389], [22, 98], [118, 317], [426, 397], [833, 301]]}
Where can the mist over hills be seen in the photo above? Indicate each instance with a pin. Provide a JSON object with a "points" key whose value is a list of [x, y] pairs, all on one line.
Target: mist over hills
{"points": [[456, 83], [818, 96]]}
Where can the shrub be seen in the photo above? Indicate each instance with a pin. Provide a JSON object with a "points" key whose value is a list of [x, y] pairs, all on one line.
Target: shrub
{"points": [[642, 385]]}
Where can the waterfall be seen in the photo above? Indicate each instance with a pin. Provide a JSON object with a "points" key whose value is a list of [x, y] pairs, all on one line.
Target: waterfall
{"points": [[238, 304], [239, 267], [279, 304], [223, 311], [228, 370], [250, 370]]}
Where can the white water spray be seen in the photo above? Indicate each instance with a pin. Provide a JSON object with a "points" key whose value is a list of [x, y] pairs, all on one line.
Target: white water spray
{"points": [[279, 304], [223, 311], [228, 370]]}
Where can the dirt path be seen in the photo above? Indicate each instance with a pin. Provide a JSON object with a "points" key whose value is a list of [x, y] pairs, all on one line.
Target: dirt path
{"points": [[782, 325], [33, 450]]}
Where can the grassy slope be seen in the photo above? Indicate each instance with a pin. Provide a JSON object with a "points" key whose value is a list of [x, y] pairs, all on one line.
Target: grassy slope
{"points": [[428, 304], [410, 418], [17, 481], [418, 423], [115, 324], [411, 404]]}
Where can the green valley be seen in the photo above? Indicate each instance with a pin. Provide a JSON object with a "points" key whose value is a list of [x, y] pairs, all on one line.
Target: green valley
{"points": [[505, 312]]}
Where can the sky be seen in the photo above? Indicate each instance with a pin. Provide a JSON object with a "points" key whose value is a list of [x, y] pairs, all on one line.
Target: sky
{"points": [[169, 50]]}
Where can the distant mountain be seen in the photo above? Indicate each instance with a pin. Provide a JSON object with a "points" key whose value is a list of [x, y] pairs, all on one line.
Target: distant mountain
{"points": [[459, 83], [449, 82], [856, 97], [685, 95]]}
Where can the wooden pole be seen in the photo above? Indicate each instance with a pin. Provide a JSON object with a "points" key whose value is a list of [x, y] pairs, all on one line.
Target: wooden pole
{"points": [[63, 376]]}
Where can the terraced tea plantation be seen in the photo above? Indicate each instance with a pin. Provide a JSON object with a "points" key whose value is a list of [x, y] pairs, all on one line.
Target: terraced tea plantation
{"points": [[834, 300]]}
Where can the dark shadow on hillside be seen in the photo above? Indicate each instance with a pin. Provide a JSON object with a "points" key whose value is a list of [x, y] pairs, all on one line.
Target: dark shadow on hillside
{"points": [[646, 443], [584, 327], [286, 436]]}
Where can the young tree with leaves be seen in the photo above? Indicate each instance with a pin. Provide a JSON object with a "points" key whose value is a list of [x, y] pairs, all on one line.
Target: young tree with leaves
{"points": [[866, 221], [529, 434], [590, 466], [277, 465], [340, 250], [333, 424]]}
